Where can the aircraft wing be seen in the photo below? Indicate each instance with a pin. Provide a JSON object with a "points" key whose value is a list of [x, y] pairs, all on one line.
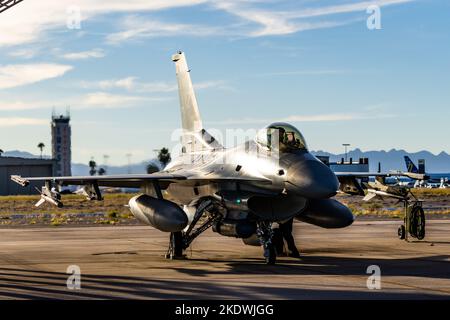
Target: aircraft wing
{"points": [[361, 174], [135, 180], [412, 175], [349, 183]]}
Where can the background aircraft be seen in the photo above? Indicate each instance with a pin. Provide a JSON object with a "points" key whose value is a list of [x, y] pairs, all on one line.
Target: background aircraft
{"points": [[430, 180]]}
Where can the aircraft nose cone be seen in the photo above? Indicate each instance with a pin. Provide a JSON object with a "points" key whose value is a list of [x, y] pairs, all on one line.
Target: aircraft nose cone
{"points": [[312, 179]]}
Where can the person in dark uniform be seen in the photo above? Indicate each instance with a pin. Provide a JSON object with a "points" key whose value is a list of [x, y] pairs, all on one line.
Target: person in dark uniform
{"points": [[284, 233]]}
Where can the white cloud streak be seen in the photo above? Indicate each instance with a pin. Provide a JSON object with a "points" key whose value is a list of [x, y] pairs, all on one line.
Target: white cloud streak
{"points": [[305, 73], [272, 22], [25, 53], [135, 28], [22, 74], [331, 117], [14, 122], [108, 100], [133, 84], [30, 21], [83, 55], [93, 100]]}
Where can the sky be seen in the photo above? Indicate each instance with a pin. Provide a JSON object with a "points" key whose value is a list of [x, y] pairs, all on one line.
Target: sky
{"points": [[315, 64]]}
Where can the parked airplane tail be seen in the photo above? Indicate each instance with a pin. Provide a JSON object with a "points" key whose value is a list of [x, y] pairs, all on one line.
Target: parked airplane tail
{"points": [[410, 166], [421, 164]]}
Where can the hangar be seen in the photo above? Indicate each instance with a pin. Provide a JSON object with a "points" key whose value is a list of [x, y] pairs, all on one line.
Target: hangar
{"points": [[26, 167]]}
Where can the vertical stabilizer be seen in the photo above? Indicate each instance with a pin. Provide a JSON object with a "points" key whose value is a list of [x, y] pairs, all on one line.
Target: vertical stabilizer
{"points": [[190, 116], [410, 166]]}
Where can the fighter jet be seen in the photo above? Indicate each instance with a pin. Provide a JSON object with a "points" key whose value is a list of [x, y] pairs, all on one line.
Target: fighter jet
{"points": [[239, 191]]}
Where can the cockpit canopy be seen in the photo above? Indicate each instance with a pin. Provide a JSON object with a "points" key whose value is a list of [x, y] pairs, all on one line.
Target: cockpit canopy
{"points": [[282, 136]]}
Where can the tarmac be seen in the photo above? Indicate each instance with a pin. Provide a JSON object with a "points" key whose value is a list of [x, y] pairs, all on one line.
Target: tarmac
{"points": [[127, 262]]}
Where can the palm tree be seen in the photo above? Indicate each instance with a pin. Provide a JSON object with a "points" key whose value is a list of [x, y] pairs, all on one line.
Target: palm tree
{"points": [[92, 165], [164, 156], [41, 146]]}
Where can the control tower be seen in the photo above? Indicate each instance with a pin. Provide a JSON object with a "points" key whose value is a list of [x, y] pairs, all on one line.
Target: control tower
{"points": [[61, 144]]}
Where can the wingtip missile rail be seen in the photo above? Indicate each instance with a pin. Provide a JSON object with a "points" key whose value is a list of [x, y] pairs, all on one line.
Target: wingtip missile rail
{"points": [[19, 180]]}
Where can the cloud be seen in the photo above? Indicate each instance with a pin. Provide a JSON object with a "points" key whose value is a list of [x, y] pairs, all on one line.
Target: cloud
{"points": [[22, 74], [124, 83], [26, 53], [133, 84], [94, 100], [94, 53], [273, 22], [13, 122], [29, 21], [22, 105], [330, 117], [108, 100], [135, 27], [342, 8], [305, 73]]}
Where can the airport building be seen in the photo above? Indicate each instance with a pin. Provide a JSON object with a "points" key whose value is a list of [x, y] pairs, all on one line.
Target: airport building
{"points": [[362, 165], [61, 144], [59, 165], [24, 167]]}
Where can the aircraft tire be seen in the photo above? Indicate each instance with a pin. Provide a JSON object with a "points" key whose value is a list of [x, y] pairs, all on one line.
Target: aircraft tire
{"points": [[176, 239], [270, 254], [401, 232], [417, 222]]}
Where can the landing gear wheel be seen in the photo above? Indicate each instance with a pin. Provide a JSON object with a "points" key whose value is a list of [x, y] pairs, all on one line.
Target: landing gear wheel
{"points": [[417, 222], [175, 250], [401, 232]]}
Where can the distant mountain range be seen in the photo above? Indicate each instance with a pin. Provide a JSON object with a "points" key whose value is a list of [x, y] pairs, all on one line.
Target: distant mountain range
{"points": [[79, 169], [22, 154], [390, 160]]}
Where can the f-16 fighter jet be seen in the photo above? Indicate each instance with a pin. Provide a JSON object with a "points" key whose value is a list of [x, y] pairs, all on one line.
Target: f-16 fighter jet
{"points": [[238, 191]]}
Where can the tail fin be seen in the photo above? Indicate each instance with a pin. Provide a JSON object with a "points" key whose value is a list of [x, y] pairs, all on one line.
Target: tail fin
{"points": [[410, 166], [421, 163], [194, 139], [190, 116]]}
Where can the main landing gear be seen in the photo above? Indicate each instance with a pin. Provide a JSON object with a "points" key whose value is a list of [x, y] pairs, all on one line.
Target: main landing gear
{"points": [[180, 241], [208, 213], [175, 250]]}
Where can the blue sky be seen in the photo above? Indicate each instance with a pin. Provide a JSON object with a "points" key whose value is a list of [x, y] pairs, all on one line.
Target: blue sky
{"points": [[312, 63]]}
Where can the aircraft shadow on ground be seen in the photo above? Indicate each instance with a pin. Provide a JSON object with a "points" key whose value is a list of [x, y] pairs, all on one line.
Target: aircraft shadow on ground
{"points": [[37, 284], [437, 267]]}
